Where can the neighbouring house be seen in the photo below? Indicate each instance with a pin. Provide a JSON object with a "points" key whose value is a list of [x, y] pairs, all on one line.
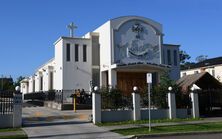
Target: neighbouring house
{"points": [[118, 53], [213, 66]]}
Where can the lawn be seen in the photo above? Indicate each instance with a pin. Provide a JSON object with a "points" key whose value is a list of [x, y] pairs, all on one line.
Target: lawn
{"points": [[14, 133], [146, 121], [172, 129]]}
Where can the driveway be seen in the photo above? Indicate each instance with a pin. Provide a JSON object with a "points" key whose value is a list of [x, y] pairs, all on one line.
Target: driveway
{"points": [[41, 122]]}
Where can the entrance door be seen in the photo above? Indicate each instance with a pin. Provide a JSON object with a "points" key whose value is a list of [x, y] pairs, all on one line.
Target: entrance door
{"points": [[127, 80]]}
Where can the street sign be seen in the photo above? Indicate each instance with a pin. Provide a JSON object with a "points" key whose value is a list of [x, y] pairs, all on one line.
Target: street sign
{"points": [[149, 77], [149, 82]]}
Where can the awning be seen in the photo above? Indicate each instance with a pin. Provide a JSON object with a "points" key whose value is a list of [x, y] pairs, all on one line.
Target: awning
{"points": [[141, 67]]}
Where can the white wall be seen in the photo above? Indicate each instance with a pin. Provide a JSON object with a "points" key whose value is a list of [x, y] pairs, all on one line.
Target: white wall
{"points": [[31, 80], [216, 69], [37, 81], [24, 87], [218, 73], [58, 72], [72, 75], [105, 45]]}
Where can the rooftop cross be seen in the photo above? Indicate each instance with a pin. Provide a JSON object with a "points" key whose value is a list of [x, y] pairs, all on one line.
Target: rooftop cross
{"points": [[71, 28]]}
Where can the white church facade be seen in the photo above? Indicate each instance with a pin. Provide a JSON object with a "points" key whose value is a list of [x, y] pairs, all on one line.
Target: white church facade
{"points": [[119, 53]]}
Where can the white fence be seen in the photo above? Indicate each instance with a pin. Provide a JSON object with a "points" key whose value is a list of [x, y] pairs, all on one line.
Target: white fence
{"points": [[137, 113], [10, 111]]}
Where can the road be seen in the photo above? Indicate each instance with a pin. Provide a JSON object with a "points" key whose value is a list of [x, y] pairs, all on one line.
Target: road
{"points": [[203, 136], [41, 122]]}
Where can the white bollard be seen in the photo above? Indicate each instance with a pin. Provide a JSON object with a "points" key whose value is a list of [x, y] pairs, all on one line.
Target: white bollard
{"points": [[96, 105], [171, 104], [136, 104], [195, 104]]}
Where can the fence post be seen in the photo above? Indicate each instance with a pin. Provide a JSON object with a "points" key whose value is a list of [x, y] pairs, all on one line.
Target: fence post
{"points": [[136, 104], [195, 103], [171, 104], [96, 105], [17, 109]]}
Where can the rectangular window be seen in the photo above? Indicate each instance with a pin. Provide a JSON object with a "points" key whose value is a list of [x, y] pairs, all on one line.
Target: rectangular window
{"points": [[51, 81], [175, 57], [76, 52], [67, 52], [213, 72], [196, 72], [84, 53], [41, 83], [169, 57]]}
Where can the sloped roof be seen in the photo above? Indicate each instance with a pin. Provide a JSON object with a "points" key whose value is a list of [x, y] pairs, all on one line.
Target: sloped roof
{"points": [[205, 63], [203, 80]]}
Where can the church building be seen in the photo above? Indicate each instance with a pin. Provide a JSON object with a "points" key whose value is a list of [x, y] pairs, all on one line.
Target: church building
{"points": [[119, 53]]}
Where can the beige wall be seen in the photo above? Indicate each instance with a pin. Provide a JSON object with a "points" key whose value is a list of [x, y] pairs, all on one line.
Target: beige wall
{"points": [[215, 71]]}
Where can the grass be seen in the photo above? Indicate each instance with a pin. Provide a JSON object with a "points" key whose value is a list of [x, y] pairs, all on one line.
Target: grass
{"points": [[146, 121], [13, 135], [10, 129], [171, 129]]}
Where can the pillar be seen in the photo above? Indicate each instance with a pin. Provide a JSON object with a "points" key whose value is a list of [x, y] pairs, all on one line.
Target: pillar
{"points": [[195, 104], [136, 106], [112, 75], [17, 110], [172, 105], [96, 107]]}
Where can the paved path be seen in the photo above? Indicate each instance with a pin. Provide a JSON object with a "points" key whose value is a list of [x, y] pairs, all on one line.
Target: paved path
{"points": [[40, 122]]}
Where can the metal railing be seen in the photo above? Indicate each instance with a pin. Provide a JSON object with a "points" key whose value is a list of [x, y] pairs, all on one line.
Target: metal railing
{"points": [[6, 102]]}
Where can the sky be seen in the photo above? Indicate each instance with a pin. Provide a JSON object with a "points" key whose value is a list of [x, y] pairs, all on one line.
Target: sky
{"points": [[28, 28]]}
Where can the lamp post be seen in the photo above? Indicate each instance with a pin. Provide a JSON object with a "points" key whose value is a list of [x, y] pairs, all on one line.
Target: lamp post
{"points": [[170, 89], [17, 88]]}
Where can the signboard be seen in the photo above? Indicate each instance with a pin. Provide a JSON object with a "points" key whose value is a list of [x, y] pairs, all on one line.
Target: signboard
{"points": [[149, 77]]}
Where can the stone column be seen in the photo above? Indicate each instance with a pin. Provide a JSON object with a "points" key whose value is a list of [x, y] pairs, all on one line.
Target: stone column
{"points": [[96, 106], [17, 110], [195, 104], [171, 104], [136, 106]]}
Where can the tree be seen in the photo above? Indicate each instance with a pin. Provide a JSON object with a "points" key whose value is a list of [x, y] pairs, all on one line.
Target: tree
{"points": [[18, 80], [6, 84], [184, 57], [159, 93], [201, 58]]}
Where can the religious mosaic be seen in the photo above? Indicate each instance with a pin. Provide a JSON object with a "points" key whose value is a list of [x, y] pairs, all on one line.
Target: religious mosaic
{"points": [[136, 41]]}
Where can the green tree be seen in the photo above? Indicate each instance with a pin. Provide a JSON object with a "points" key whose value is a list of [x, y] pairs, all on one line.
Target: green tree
{"points": [[18, 80], [184, 57], [159, 93], [201, 58]]}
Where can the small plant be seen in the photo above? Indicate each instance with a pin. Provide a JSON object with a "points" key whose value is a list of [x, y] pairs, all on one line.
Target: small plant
{"points": [[113, 99]]}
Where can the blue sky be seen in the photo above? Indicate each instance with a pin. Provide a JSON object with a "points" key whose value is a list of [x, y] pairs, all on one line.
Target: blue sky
{"points": [[28, 28]]}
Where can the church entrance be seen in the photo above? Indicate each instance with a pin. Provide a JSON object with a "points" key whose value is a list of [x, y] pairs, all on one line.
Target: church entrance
{"points": [[127, 80]]}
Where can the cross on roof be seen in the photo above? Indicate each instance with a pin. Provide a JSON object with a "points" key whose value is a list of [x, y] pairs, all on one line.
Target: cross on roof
{"points": [[71, 28]]}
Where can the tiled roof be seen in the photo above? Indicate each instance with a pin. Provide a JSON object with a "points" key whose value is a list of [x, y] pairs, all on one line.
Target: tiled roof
{"points": [[203, 80]]}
